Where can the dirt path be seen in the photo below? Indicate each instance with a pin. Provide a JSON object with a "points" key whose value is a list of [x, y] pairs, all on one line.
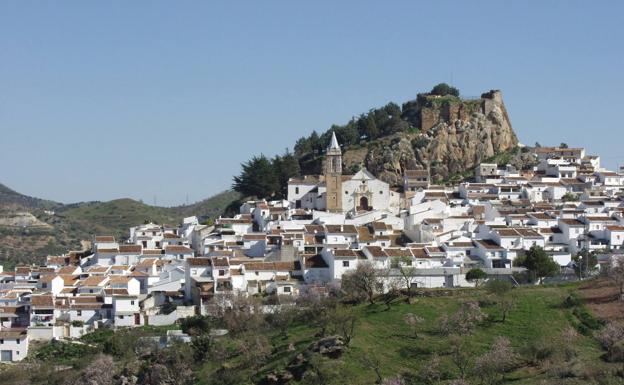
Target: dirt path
{"points": [[601, 298]]}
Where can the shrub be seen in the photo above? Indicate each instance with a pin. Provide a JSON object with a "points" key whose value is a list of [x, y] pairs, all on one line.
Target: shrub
{"points": [[535, 352], [421, 142], [572, 301], [443, 89], [611, 338], [588, 322], [476, 275], [197, 325]]}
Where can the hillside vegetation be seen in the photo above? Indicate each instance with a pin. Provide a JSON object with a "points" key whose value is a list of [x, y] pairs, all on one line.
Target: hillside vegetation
{"points": [[438, 131], [69, 226], [547, 338]]}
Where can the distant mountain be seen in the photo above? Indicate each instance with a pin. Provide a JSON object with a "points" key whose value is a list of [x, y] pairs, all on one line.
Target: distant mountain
{"points": [[12, 197], [31, 228]]}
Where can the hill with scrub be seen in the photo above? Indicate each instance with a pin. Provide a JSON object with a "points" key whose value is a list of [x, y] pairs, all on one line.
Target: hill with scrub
{"points": [[31, 228], [439, 131], [455, 336]]}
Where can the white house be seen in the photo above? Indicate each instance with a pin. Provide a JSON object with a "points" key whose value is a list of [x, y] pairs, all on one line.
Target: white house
{"points": [[126, 311], [13, 345]]}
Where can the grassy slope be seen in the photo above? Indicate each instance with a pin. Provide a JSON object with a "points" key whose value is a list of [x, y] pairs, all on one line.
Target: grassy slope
{"points": [[382, 334], [385, 336]]}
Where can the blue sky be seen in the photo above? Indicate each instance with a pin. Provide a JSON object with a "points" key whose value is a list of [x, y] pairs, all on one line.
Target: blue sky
{"points": [[102, 100]]}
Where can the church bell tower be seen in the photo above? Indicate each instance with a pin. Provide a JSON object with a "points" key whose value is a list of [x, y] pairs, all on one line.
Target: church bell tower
{"points": [[333, 176]]}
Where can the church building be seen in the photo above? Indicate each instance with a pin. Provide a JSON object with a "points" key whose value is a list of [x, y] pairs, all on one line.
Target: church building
{"points": [[338, 193]]}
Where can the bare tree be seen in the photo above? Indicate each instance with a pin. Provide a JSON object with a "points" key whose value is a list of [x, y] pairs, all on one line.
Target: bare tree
{"points": [[243, 314], [392, 290], [463, 321], [431, 374], [616, 273], [407, 272], [100, 371], [364, 282], [282, 318], [492, 366], [254, 350], [370, 361], [502, 290], [318, 310], [507, 304], [343, 322], [460, 355], [413, 322]]}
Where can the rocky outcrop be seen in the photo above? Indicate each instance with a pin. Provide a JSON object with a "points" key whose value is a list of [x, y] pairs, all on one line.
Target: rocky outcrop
{"points": [[22, 220], [455, 135], [331, 347]]}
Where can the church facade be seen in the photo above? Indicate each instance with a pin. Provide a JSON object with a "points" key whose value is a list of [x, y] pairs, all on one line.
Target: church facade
{"points": [[338, 193]]}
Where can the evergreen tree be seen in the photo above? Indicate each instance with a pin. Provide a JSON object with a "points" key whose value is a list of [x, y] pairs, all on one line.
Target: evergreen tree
{"points": [[303, 146], [539, 263], [285, 167], [315, 142], [257, 179], [368, 127]]}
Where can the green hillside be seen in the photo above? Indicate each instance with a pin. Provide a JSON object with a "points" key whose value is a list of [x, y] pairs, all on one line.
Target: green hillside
{"points": [[550, 334], [72, 223]]}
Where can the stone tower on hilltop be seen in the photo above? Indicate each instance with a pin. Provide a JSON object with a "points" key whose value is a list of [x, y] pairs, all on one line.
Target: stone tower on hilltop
{"points": [[333, 176]]}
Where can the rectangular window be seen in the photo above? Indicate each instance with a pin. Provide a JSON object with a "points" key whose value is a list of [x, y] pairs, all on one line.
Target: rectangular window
{"points": [[132, 303], [287, 289], [221, 272], [17, 341], [345, 263], [79, 313]]}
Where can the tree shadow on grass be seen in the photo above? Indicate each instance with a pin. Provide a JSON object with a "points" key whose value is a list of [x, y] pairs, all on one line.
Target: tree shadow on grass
{"points": [[415, 350]]}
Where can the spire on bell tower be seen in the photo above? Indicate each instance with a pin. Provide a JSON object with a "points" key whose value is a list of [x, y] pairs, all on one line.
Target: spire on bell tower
{"points": [[333, 175], [333, 163]]}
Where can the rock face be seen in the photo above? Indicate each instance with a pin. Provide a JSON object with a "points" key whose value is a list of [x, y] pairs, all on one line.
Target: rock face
{"points": [[455, 135], [22, 219]]}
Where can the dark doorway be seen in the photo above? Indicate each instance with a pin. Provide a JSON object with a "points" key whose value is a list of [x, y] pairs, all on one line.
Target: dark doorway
{"points": [[364, 204]]}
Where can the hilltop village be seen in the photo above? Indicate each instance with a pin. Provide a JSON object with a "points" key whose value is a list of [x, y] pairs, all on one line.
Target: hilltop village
{"points": [[328, 226]]}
